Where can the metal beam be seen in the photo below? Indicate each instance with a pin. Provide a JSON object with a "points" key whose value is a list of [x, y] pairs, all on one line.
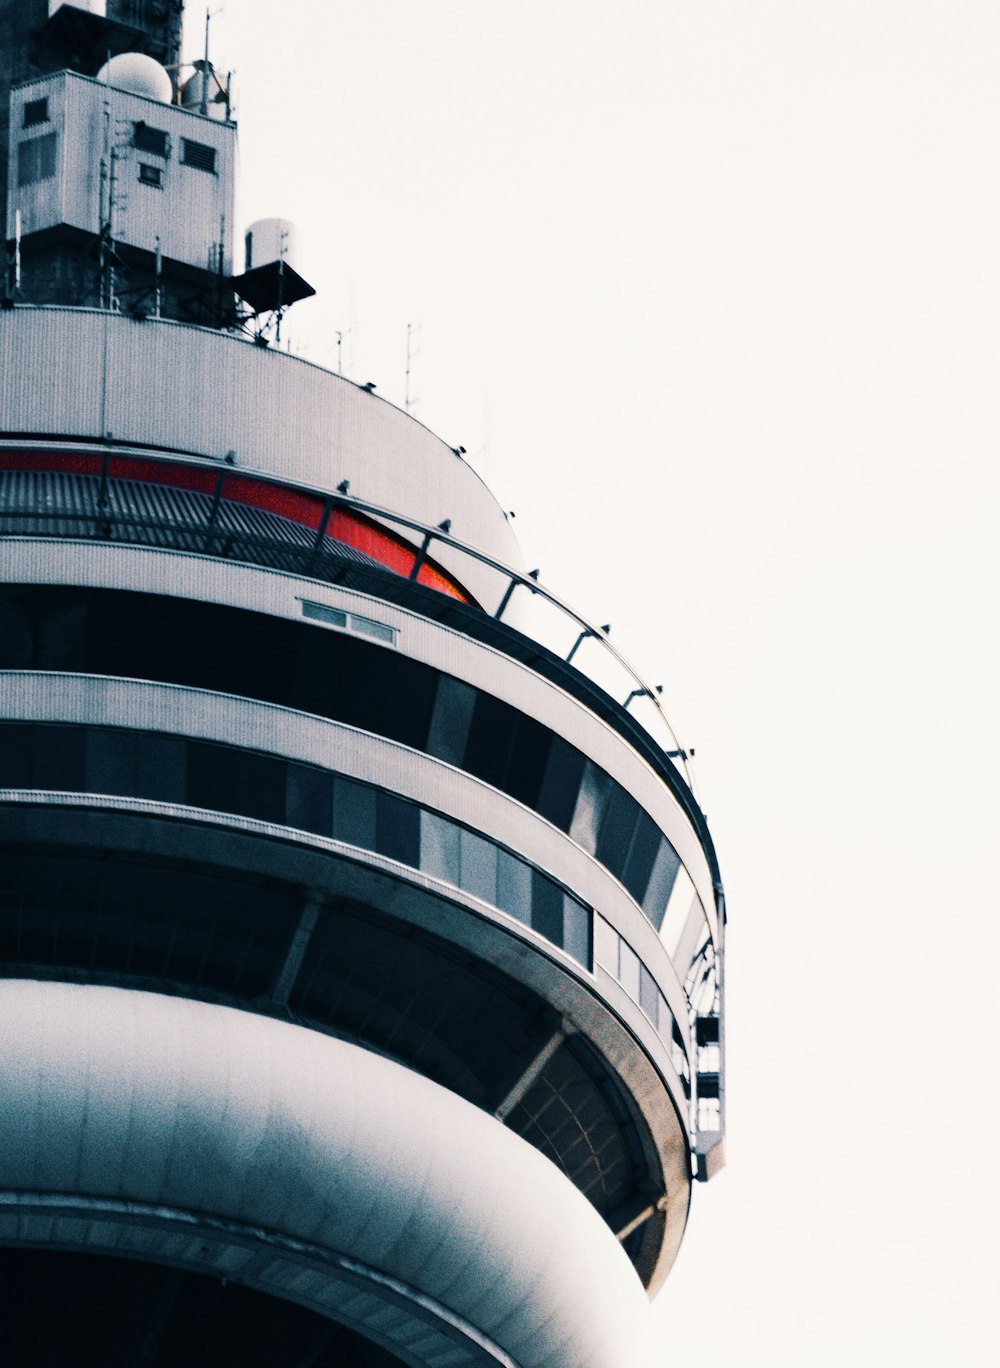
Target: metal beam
{"points": [[530, 1074], [632, 1215], [288, 973]]}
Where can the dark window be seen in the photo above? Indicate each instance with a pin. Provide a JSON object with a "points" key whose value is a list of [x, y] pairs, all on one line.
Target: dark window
{"points": [[560, 783], [150, 175], [309, 799], [595, 789], [15, 755], [198, 155], [397, 829], [648, 994], [620, 817], [546, 908], [639, 866], [354, 813], [111, 761], [57, 758], [35, 112], [227, 780], [576, 930], [490, 738], [449, 728], [36, 159], [148, 139], [661, 881], [526, 761], [161, 769]]}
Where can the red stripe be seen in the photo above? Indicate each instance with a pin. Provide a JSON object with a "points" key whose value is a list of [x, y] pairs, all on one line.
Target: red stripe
{"points": [[351, 529]]}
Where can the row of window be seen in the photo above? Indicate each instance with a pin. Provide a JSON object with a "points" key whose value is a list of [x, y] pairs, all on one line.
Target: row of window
{"points": [[221, 778], [36, 158], [335, 675], [613, 953], [157, 141]]}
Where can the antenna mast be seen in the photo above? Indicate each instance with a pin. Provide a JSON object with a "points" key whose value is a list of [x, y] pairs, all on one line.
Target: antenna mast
{"points": [[411, 355]]}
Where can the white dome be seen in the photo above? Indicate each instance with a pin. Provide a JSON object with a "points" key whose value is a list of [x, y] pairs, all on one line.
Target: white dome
{"points": [[139, 75]]}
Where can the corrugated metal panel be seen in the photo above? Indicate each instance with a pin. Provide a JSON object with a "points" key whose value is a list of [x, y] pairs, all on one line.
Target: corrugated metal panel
{"points": [[184, 211], [78, 373]]}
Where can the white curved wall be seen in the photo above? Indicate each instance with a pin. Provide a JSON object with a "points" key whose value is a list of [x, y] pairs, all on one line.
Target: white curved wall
{"points": [[113, 1096], [80, 373]]}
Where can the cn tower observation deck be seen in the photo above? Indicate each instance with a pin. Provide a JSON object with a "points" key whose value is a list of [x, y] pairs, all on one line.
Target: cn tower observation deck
{"points": [[361, 937]]}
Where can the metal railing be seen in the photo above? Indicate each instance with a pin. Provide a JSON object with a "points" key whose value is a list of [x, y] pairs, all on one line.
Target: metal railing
{"points": [[211, 524]]}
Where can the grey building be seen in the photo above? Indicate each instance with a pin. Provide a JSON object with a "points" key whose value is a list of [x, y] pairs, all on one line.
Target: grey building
{"points": [[360, 933]]}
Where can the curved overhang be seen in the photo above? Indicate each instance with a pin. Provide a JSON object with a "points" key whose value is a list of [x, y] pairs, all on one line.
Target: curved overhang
{"points": [[190, 1133], [591, 1005], [42, 696]]}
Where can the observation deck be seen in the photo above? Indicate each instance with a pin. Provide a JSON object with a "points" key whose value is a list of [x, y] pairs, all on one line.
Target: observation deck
{"points": [[297, 758]]}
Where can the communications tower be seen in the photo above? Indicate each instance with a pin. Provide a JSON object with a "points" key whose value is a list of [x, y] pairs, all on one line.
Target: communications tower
{"points": [[360, 933]]}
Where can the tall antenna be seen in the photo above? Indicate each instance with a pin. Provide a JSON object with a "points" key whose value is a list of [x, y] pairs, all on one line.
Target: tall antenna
{"points": [[411, 329]]}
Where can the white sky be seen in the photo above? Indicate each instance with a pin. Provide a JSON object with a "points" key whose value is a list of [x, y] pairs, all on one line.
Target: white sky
{"points": [[711, 293]]}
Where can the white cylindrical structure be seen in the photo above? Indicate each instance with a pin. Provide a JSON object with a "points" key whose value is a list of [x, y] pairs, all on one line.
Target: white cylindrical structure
{"points": [[253, 1132], [205, 88], [272, 239]]}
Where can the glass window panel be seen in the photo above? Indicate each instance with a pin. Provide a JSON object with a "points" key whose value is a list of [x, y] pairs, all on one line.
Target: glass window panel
{"points": [[60, 638], [309, 799], [491, 736], [621, 814], [110, 760], [18, 628], [58, 758], [259, 785], [526, 763], [161, 768], [560, 783], [678, 907], [15, 755], [576, 930], [639, 865], [211, 779], [629, 970], [354, 813], [439, 847], [692, 937], [397, 829], [546, 908], [661, 881], [648, 994], [606, 942], [479, 866], [514, 886], [595, 788], [449, 729]]}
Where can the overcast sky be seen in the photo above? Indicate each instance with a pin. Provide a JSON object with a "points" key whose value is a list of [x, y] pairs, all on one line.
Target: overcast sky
{"points": [[711, 293]]}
